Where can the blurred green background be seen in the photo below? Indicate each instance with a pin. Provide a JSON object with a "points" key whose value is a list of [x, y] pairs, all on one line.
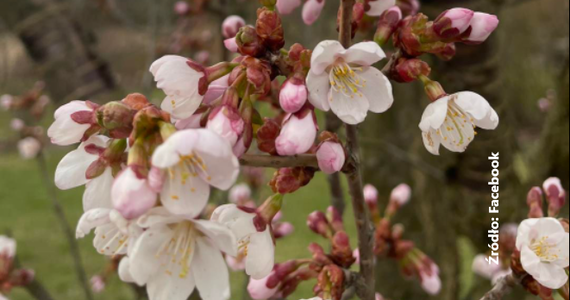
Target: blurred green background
{"points": [[101, 50]]}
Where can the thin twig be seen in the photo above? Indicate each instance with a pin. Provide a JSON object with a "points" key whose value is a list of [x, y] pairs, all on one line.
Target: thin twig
{"points": [[266, 161], [67, 230], [361, 214], [502, 288]]}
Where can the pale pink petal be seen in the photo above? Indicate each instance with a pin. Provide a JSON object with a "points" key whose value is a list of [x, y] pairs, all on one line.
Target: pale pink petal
{"points": [[210, 272], [434, 115], [98, 191], [479, 108], [364, 53], [319, 87], [350, 110], [325, 55], [377, 89]]}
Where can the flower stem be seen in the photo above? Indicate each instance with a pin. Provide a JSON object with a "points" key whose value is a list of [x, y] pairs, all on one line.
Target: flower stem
{"points": [[67, 230], [502, 288]]}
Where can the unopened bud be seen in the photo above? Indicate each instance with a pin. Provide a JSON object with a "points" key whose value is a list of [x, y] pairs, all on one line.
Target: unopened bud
{"points": [[298, 133], [342, 253], [534, 202], [482, 26], [231, 26], [248, 42], [286, 7], [266, 136], [318, 223], [117, 117], [270, 29], [289, 180], [555, 195], [409, 70], [335, 217], [387, 24], [293, 95], [181, 7], [331, 157], [312, 11], [453, 23]]}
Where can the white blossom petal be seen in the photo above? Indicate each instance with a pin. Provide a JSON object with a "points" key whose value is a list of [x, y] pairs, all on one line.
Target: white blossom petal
{"points": [[222, 236], [168, 285], [432, 141], [221, 165], [364, 53], [70, 171], [91, 219], [98, 191], [475, 105], [184, 194], [324, 55], [143, 255], [125, 270], [261, 255], [350, 110], [319, 87], [210, 272], [378, 7], [378, 90], [434, 114], [182, 106], [64, 131]]}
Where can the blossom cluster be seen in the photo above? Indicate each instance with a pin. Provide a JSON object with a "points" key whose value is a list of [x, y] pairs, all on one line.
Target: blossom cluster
{"points": [[149, 170]]}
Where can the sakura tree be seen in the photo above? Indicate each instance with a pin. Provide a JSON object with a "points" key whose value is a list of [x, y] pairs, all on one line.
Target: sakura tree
{"points": [[149, 171]]}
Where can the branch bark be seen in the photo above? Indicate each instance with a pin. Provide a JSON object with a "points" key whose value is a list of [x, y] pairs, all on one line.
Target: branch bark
{"points": [[502, 288], [67, 230], [267, 161], [361, 215]]}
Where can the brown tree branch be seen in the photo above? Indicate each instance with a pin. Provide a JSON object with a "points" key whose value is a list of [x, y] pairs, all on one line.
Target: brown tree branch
{"points": [[267, 161], [502, 288], [361, 214]]}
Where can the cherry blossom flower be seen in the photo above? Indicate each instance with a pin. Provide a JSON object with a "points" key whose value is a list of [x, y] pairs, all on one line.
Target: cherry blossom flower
{"points": [[29, 147], [431, 282], [331, 157], [176, 254], [180, 82], [543, 244], [345, 81], [452, 120], [192, 160], [71, 173], [378, 7], [72, 121], [253, 241], [113, 234]]}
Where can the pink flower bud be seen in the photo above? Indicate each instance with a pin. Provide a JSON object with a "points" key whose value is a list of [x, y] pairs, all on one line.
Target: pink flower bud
{"points": [[482, 26], [318, 223], [298, 134], [240, 193], [483, 268], [453, 23], [387, 24], [293, 95], [286, 7], [401, 194], [132, 195], [97, 284], [258, 289], [181, 7], [312, 11], [431, 282], [370, 194], [356, 255], [283, 229], [331, 157], [6, 102], [231, 26], [555, 195], [227, 123], [231, 45], [17, 124], [379, 297], [202, 57], [29, 147]]}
